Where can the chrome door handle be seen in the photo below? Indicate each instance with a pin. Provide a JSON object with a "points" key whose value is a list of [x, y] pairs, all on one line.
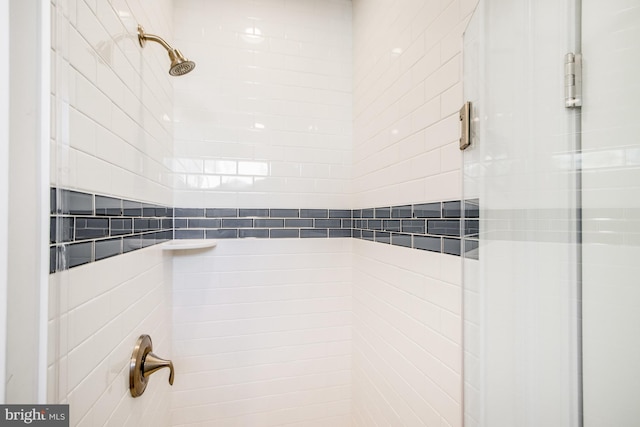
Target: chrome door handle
{"points": [[143, 364]]}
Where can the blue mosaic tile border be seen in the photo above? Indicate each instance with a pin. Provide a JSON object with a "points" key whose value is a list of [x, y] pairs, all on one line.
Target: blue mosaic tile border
{"points": [[89, 227]]}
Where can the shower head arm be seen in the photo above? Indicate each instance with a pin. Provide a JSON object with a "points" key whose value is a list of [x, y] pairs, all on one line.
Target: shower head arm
{"points": [[143, 37], [179, 64]]}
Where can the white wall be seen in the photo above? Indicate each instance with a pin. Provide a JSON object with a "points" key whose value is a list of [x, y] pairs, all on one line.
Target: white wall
{"points": [[112, 135], [27, 200], [265, 118], [4, 190], [407, 326], [262, 334], [611, 202]]}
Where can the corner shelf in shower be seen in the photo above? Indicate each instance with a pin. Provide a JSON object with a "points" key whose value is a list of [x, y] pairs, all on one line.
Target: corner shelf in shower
{"points": [[186, 244]]}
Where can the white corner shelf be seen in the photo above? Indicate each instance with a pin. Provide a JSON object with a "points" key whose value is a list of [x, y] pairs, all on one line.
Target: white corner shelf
{"points": [[187, 244]]}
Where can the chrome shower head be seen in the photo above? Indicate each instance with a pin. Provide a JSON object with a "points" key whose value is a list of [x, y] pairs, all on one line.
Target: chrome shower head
{"points": [[179, 64]]}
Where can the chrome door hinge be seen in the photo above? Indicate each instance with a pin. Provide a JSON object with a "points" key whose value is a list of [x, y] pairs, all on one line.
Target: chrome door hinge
{"points": [[465, 125], [573, 80]]}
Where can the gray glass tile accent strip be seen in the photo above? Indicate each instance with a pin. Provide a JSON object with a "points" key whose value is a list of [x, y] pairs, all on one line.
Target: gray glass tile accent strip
{"points": [[204, 223], [73, 203], [401, 211], [221, 213], [189, 234], [221, 234], [313, 233], [108, 206], [284, 213], [444, 227], [401, 240], [434, 226], [471, 248], [131, 208], [108, 248], [452, 246], [76, 254], [253, 213], [391, 225], [269, 223], [383, 212], [451, 209], [428, 243], [298, 223], [188, 213], [339, 213], [314, 213], [89, 227], [383, 237], [257, 233], [121, 226], [287, 233], [340, 232], [427, 210]]}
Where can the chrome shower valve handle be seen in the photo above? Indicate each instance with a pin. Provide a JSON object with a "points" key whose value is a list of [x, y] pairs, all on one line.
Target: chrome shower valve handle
{"points": [[143, 364], [153, 363]]}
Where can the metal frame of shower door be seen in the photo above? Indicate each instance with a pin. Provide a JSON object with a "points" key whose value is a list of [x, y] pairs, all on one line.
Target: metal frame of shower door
{"points": [[44, 137], [574, 118]]}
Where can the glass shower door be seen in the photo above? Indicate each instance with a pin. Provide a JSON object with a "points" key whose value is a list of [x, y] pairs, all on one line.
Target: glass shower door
{"points": [[521, 272], [552, 296]]}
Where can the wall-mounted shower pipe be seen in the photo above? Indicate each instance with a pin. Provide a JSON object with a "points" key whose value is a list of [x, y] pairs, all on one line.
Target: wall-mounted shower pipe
{"points": [[179, 64]]}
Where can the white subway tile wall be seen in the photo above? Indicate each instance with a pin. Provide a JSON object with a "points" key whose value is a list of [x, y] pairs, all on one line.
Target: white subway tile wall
{"points": [[262, 334], [262, 329], [265, 119], [113, 100], [111, 135], [99, 310], [407, 355], [407, 92]]}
